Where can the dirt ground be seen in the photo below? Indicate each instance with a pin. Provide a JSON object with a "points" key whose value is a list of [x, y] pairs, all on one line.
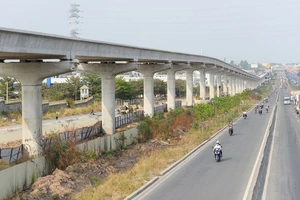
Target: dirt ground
{"points": [[64, 184]]}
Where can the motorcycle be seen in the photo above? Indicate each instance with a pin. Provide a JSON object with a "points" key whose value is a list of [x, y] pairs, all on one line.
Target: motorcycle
{"points": [[245, 116], [230, 130], [260, 112], [217, 152], [267, 110]]}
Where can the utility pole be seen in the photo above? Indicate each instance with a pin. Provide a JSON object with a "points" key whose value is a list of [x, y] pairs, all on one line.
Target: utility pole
{"points": [[6, 83]]}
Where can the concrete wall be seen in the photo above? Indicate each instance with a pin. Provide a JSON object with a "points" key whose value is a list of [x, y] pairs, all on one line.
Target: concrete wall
{"points": [[108, 142], [17, 106], [19, 177]]}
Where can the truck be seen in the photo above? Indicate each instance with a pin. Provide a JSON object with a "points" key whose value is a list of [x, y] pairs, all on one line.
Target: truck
{"points": [[287, 101]]}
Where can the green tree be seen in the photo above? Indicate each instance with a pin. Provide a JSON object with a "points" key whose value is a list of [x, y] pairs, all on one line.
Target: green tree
{"points": [[56, 92], [123, 89], [93, 81], [137, 88], [160, 87], [180, 88], [13, 91], [73, 85]]}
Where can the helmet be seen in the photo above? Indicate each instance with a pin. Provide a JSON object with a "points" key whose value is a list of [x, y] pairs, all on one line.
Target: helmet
{"points": [[217, 142]]}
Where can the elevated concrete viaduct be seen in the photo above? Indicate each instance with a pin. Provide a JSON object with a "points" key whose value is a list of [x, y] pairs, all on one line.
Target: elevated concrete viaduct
{"points": [[31, 50]]}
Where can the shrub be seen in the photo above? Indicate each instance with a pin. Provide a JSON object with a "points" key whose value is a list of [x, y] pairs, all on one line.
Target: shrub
{"points": [[144, 133], [60, 153], [70, 103]]}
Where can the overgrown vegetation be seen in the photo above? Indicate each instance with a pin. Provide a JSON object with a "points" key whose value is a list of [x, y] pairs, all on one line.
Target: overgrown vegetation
{"points": [[181, 128], [193, 125]]}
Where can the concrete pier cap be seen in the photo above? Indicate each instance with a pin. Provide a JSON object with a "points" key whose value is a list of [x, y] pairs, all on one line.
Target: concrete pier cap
{"points": [[31, 75]]}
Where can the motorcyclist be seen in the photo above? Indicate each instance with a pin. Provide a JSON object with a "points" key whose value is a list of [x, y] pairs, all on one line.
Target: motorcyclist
{"points": [[230, 124], [244, 114], [255, 108], [218, 146], [267, 108], [230, 127]]}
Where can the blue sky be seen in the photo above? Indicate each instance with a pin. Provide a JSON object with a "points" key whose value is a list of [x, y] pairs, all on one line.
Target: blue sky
{"points": [[256, 31]]}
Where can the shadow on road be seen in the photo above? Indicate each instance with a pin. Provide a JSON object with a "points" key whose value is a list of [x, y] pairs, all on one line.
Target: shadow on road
{"points": [[225, 159]]}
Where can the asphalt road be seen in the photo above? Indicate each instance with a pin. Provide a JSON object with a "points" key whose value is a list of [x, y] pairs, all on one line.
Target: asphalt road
{"points": [[201, 177], [283, 181]]}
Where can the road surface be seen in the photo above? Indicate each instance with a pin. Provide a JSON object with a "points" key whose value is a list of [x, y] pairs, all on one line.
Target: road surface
{"points": [[201, 177], [284, 180]]}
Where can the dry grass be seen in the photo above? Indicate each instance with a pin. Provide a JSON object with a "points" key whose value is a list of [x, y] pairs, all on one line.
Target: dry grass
{"points": [[4, 165], [96, 106], [118, 186], [16, 117]]}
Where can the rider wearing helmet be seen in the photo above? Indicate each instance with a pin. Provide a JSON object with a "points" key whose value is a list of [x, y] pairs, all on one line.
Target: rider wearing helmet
{"points": [[218, 145], [244, 114]]}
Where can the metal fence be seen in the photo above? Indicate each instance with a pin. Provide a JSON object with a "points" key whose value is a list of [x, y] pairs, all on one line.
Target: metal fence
{"points": [[80, 134], [11, 154], [178, 104], [128, 118], [130, 101], [161, 108]]}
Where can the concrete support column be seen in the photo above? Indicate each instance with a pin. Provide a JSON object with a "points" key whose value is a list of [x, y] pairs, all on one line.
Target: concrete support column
{"points": [[233, 86], [238, 85], [171, 89], [31, 76], [211, 86], [189, 87], [148, 71], [108, 72], [202, 84], [148, 94], [241, 85], [32, 130], [230, 85], [108, 105], [225, 84], [218, 84]]}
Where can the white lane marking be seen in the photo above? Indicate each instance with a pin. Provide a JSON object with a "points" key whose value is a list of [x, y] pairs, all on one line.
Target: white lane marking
{"points": [[264, 196], [251, 182]]}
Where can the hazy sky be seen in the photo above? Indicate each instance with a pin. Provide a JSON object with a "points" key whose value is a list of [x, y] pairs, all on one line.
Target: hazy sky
{"points": [[256, 30]]}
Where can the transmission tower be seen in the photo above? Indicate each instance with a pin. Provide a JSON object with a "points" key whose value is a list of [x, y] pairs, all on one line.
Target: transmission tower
{"points": [[74, 20]]}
